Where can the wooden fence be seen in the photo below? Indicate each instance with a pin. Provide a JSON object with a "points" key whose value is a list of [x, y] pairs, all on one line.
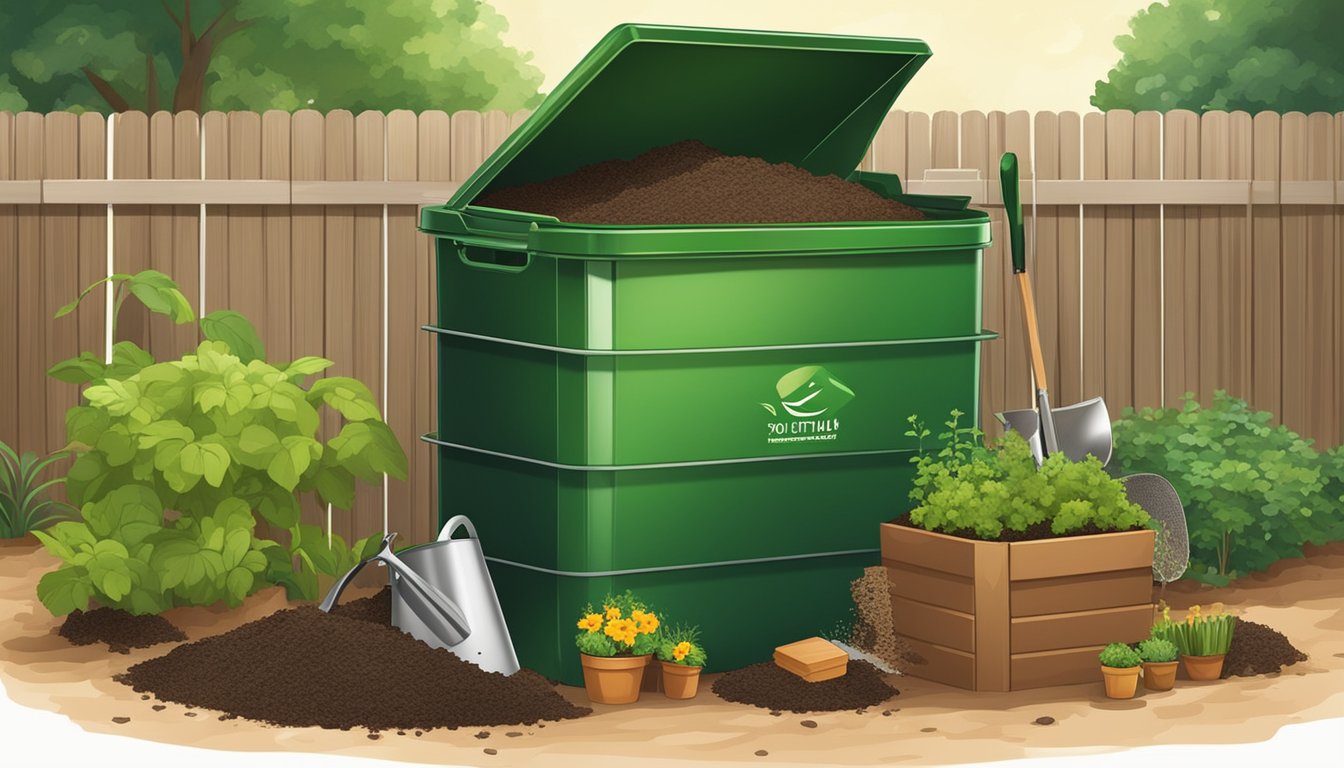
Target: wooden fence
{"points": [[1171, 252]]}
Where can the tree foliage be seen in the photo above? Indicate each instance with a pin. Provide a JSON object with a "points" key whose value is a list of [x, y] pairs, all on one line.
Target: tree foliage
{"points": [[1229, 55], [260, 54]]}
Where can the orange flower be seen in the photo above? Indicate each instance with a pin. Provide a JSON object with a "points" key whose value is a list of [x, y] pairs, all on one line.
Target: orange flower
{"points": [[592, 622], [645, 623], [681, 650]]}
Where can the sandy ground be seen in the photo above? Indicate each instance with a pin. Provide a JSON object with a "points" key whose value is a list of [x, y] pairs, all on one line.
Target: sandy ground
{"points": [[929, 723]]}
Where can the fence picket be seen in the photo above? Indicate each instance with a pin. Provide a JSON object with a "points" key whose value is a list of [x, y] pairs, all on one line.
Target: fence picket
{"points": [[1118, 264], [404, 254], [1147, 257], [33, 317], [10, 288], [1267, 264], [1322, 389], [367, 307], [1094, 263], [131, 222], [435, 163]]}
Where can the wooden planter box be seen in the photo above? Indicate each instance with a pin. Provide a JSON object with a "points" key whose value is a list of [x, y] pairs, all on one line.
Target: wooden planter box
{"points": [[992, 616]]}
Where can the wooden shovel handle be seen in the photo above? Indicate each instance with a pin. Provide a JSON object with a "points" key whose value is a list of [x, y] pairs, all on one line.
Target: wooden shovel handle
{"points": [[1033, 332]]}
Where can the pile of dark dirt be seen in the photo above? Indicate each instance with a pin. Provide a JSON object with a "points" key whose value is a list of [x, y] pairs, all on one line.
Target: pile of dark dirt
{"points": [[874, 629], [303, 667], [120, 630], [1258, 650], [768, 686], [376, 608], [691, 183]]}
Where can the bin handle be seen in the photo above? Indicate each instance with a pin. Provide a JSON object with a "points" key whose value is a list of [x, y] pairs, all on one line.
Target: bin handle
{"points": [[463, 253], [453, 524]]}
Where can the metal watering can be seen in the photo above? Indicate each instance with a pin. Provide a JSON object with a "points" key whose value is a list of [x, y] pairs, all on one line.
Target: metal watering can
{"points": [[442, 595]]}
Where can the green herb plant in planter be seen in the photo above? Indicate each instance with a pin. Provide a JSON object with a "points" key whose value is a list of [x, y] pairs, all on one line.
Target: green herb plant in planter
{"points": [[1202, 639], [1120, 670], [178, 460], [682, 658], [615, 645], [25, 505], [1159, 663]]}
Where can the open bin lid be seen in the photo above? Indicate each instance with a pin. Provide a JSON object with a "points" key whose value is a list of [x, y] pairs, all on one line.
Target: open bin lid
{"points": [[815, 101]]}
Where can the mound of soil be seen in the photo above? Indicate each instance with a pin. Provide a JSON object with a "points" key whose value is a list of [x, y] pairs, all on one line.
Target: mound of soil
{"points": [[768, 686], [1257, 650], [120, 630], [874, 628], [691, 183], [376, 608], [304, 667]]}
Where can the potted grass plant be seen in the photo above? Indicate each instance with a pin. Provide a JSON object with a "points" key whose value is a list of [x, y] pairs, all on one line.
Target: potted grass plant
{"points": [[615, 645], [1159, 663], [682, 658], [1202, 639], [1120, 669]]}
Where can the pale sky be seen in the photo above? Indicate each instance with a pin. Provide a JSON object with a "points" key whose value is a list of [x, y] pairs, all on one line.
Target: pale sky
{"points": [[1015, 54]]}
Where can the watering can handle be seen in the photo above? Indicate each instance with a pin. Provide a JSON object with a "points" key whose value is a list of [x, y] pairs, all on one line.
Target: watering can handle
{"points": [[453, 524]]}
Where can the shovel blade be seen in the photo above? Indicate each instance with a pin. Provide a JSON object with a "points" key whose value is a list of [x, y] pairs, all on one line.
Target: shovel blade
{"points": [[1082, 428]]}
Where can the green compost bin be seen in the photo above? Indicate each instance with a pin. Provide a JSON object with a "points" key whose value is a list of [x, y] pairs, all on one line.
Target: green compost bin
{"points": [[711, 415]]}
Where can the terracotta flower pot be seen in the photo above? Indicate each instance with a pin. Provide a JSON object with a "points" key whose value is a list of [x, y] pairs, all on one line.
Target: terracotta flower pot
{"points": [[1203, 667], [1121, 682], [1159, 675], [679, 680], [613, 679]]}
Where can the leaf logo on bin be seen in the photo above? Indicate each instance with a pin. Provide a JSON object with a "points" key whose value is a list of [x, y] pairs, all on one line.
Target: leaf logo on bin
{"points": [[812, 396]]}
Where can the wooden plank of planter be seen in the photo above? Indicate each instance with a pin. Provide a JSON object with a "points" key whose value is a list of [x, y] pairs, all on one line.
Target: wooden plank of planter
{"points": [[1110, 589], [934, 624], [1081, 628], [942, 664], [992, 672], [1066, 666], [1049, 558], [926, 549], [928, 586]]}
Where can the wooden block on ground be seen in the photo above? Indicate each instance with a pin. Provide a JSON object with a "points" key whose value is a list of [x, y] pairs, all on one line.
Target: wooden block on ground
{"points": [[813, 659]]}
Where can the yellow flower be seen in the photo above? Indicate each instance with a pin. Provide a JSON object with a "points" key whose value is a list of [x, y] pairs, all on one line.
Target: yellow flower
{"points": [[681, 650], [621, 630], [612, 612], [646, 623], [592, 622]]}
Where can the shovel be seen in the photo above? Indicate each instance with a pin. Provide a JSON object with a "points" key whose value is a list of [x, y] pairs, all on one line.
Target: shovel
{"points": [[1074, 430]]}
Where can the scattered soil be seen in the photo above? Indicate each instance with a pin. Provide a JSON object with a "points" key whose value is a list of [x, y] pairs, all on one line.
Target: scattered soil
{"points": [[375, 608], [691, 183], [874, 628], [769, 686], [1046, 720], [120, 630], [761, 753], [304, 667], [1040, 530], [1258, 650], [808, 723]]}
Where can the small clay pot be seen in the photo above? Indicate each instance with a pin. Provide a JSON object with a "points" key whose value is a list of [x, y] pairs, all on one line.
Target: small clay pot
{"points": [[1159, 675], [679, 680], [613, 679], [1203, 667], [1121, 682]]}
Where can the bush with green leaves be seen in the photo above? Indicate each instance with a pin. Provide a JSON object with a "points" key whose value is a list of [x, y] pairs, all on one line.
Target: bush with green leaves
{"points": [[1158, 650], [967, 488], [178, 460], [1254, 493], [24, 502], [1120, 656]]}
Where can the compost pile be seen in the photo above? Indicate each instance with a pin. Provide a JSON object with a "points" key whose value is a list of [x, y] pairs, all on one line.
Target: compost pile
{"points": [[691, 183], [874, 628], [303, 667], [1257, 650], [120, 630], [769, 686], [376, 609]]}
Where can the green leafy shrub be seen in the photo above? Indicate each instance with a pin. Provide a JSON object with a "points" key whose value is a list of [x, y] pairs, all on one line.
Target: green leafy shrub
{"points": [[1253, 493], [177, 461], [1120, 656], [969, 488], [681, 645], [1157, 650], [625, 626], [24, 503]]}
